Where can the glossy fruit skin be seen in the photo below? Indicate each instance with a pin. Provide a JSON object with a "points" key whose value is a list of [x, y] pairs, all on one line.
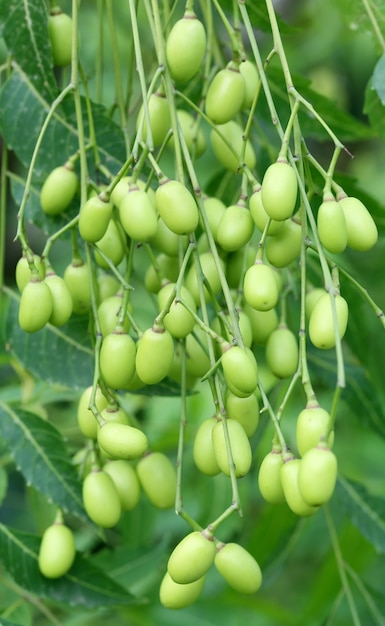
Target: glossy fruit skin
{"points": [[60, 34], [61, 299], [94, 217], [23, 272], [154, 355], [87, 422], [157, 475], [168, 242], [269, 477], [177, 207], [260, 216], [240, 371], [58, 190], [331, 226], [35, 306], [167, 268], [317, 475], [361, 229], [285, 246], [178, 321], [108, 314], [117, 359], [112, 244], [243, 410], [312, 424], [160, 120], [260, 287], [251, 77], [101, 500], [57, 551], [126, 483], [321, 326], [173, 595], [121, 441], [210, 272], [77, 278], [197, 362], [185, 47], [282, 352], [203, 450], [262, 323], [239, 568], [240, 448], [138, 215], [214, 209], [235, 228], [312, 296], [289, 478], [279, 190], [230, 152], [225, 95], [191, 558], [193, 134], [115, 414]]}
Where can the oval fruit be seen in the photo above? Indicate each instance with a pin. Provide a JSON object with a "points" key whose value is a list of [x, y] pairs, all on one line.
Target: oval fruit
{"points": [[87, 422], [126, 483], [203, 450], [94, 217], [240, 448], [361, 228], [225, 94], [117, 359], [173, 595], [312, 424], [197, 359], [178, 321], [61, 299], [101, 500], [23, 271], [177, 207], [240, 371], [154, 355], [77, 278], [112, 245], [285, 246], [322, 332], [262, 323], [121, 441], [168, 242], [260, 216], [157, 475], [185, 47], [191, 558], [239, 568], [108, 314], [192, 134], [228, 143], [243, 410], [269, 477], [60, 35], [58, 190], [317, 475], [251, 77], [235, 228], [210, 272], [57, 551], [260, 287], [159, 116], [289, 478], [138, 215], [331, 226], [282, 352], [279, 190], [36, 306]]}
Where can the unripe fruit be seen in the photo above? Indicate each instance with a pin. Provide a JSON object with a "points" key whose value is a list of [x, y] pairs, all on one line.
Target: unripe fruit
{"points": [[101, 500], [312, 296], [282, 352], [115, 414], [361, 229], [94, 217], [160, 120], [57, 551], [168, 242], [137, 215], [36, 306], [235, 228], [321, 323], [126, 483], [289, 478], [121, 441], [240, 570], [203, 450], [269, 477], [285, 246], [185, 47], [331, 226], [178, 321], [172, 595], [60, 35], [262, 323], [154, 355], [225, 94], [165, 268], [210, 272], [251, 77], [157, 475], [227, 142], [312, 424], [112, 244], [240, 371], [23, 271], [243, 410], [177, 207], [260, 216], [279, 190], [197, 361], [214, 209], [87, 422], [260, 287], [61, 299], [191, 558], [58, 190], [240, 448], [77, 278], [108, 314], [117, 359], [192, 134], [317, 475]]}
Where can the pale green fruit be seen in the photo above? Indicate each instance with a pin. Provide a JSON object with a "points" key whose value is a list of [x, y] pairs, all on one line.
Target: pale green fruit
{"points": [[101, 500], [203, 450], [322, 330], [239, 568], [289, 478], [126, 483], [157, 475], [173, 595], [122, 441], [191, 558], [57, 551], [240, 448], [317, 475]]}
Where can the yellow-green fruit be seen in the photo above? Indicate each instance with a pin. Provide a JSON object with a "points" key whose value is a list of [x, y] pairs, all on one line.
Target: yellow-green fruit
{"points": [[289, 478], [178, 321], [159, 116], [112, 245], [203, 449], [269, 477], [282, 352], [23, 271], [77, 277], [317, 475], [279, 190], [322, 331], [35, 306], [239, 568], [361, 228], [117, 359], [262, 323], [138, 215], [251, 77], [240, 448], [57, 551], [94, 217], [240, 371], [116, 414], [60, 35], [126, 483], [58, 190], [214, 209], [197, 361], [312, 424], [87, 422], [285, 246], [157, 475], [243, 410], [227, 141], [225, 94], [185, 47], [173, 595], [210, 272], [101, 500], [121, 441], [260, 287], [191, 558], [235, 228], [192, 134], [260, 216], [108, 314], [165, 267], [177, 207], [331, 226], [168, 242], [61, 299], [312, 296], [154, 355]]}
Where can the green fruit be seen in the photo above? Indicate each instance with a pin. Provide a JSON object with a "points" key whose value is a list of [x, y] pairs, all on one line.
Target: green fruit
{"points": [[191, 558], [197, 359], [172, 595], [236, 264], [77, 278], [192, 134], [279, 190], [252, 81], [115, 414], [331, 226], [177, 207], [138, 215], [185, 47], [240, 371], [121, 441], [36, 306], [87, 422], [240, 448], [23, 271], [312, 424], [285, 246], [282, 352], [60, 35], [94, 217], [322, 331], [112, 245], [225, 94], [361, 229], [317, 475], [117, 359], [214, 209], [260, 287], [178, 321], [240, 570], [107, 285], [126, 483], [235, 228], [154, 355], [160, 120], [231, 148], [168, 242], [57, 551], [58, 190], [210, 272], [166, 268], [260, 216], [243, 410], [262, 323], [289, 479], [203, 450], [312, 296], [157, 475], [101, 500], [108, 314], [269, 477], [61, 299]]}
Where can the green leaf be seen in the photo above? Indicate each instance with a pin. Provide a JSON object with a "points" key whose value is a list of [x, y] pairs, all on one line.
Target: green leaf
{"points": [[69, 359], [374, 109], [3, 484], [354, 14], [84, 585], [367, 512], [41, 455], [6, 622], [378, 79]]}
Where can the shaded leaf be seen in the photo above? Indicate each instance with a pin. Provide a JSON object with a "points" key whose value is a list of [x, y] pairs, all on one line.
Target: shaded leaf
{"points": [[374, 109], [40, 454], [378, 79], [6, 622], [3, 484], [83, 585]]}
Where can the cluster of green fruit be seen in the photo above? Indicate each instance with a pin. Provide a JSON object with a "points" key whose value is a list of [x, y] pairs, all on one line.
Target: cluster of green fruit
{"points": [[215, 277]]}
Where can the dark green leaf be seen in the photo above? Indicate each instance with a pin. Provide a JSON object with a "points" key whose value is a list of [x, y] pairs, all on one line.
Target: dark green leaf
{"points": [[378, 79], [356, 16], [84, 584], [40, 454], [374, 109], [3, 484], [6, 622]]}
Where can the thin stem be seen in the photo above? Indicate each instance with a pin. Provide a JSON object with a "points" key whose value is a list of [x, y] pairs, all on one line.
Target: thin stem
{"points": [[374, 23]]}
